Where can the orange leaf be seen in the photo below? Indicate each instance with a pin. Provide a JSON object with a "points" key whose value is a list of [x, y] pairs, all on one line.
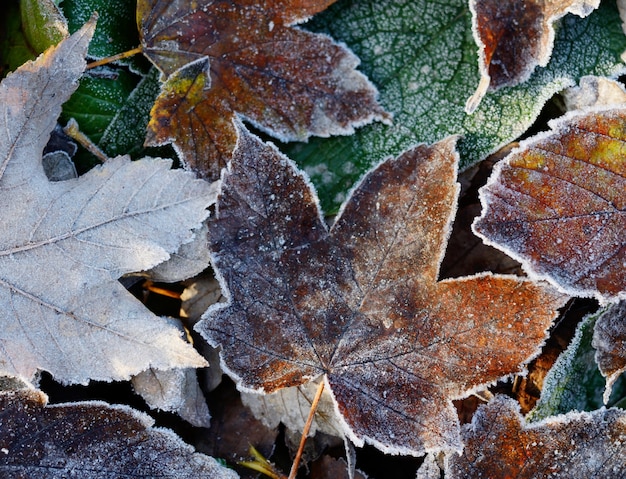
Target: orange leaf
{"points": [[558, 202], [500, 445]]}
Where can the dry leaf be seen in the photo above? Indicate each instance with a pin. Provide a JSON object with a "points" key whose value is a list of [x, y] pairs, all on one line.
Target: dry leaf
{"points": [[557, 204], [64, 244], [609, 340], [516, 36], [360, 304], [498, 444], [91, 440], [226, 58]]}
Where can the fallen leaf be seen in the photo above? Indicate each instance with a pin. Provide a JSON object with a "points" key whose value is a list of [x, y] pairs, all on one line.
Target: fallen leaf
{"points": [[557, 204], [43, 24], [91, 440], [226, 58], [515, 37], [609, 339], [360, 305], [499, 444], [422, 57], [64, 244]]}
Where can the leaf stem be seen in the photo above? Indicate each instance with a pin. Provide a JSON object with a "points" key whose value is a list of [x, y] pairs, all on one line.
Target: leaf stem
{"points": [[305, 431], [72, 130], [114, 58]]}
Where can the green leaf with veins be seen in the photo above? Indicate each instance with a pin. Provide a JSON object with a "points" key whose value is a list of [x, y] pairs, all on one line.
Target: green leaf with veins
{"points": [[574, 382], [422, 57]]}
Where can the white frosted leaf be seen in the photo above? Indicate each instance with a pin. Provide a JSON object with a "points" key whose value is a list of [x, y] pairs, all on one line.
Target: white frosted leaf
{"points": [[64, 244]]}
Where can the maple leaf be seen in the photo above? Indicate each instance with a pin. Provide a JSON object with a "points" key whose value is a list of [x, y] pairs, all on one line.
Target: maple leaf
{"points": [[91, 440], [64, 244], [360, 305], [223, 58], [609, 339], [499, 444], [557, 204], [515, 37]]}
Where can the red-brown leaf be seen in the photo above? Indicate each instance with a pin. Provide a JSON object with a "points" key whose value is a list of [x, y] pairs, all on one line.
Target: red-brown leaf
{"points": [[499, 445], [361, 303], [558, 204], [516, 36], [245, 58]]}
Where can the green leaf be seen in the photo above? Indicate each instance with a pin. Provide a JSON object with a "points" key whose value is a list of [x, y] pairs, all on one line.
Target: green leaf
{"points": [[97, 101], [422, 57], [43, 24], [28, 28], [127, 131], [574, 382]]}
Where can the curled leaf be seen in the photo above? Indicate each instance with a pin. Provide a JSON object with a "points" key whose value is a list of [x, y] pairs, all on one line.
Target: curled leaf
{"points": [[609, 339], [515, 37]]}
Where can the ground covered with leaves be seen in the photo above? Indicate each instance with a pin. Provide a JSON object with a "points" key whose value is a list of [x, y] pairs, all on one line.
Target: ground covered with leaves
{"points": [[396, 228]]}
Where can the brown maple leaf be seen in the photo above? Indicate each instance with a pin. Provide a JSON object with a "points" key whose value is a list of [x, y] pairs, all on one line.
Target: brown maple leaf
{"points": [[223, 58], [577, 445], [557, 204], [514, 37], [360, 304]]}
